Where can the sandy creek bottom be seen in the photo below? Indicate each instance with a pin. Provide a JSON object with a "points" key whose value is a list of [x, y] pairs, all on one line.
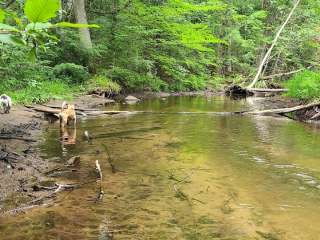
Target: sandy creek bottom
{"points": [[183, 176]]}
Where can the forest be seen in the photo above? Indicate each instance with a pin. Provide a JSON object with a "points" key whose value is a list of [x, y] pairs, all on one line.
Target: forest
{"points": [[170, 46]]}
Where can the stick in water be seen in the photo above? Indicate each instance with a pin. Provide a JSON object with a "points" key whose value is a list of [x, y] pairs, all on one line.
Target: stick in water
{"points": [[101, 193]]}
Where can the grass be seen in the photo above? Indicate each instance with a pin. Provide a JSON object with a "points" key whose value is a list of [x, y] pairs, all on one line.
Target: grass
{"points": [[304, 85], [40, 92]]}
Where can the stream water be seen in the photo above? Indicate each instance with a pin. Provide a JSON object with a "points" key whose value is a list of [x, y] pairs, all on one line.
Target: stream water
{"points": [[183, 176]]}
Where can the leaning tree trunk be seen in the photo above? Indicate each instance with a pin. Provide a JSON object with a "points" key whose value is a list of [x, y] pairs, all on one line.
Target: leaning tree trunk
{"points": [[81, 17], [274, 42]]}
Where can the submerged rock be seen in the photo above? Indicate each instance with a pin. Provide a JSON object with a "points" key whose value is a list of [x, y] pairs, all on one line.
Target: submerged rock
{"points": [[131, 98]]}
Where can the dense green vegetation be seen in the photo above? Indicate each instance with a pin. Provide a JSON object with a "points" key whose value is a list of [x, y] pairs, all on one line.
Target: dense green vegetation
{"points": [[304, 85], [171, 45]]}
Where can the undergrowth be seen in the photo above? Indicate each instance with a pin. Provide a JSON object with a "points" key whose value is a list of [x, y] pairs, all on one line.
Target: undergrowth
{"points": [[304, 85]]}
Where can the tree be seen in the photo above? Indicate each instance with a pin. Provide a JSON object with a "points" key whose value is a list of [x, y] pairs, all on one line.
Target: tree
{"points": [[81, 18]]}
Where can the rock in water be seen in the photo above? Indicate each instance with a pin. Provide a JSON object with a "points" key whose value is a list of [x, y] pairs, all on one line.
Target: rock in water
{"points": [[131, 99], [74, 161]]}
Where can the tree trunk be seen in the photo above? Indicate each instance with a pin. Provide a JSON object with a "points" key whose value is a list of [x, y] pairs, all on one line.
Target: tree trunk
{"points": [[81, 17], [274, 42]]}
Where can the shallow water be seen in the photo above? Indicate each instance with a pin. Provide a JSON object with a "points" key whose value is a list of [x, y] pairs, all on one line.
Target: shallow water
{"points": [[183, 176]]}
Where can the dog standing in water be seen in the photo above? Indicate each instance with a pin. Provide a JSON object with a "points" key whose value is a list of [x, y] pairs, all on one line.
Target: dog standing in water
{"points": [[67, 115], [5, 103]]}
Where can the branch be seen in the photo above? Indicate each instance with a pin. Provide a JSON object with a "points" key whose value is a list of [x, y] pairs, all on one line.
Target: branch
{"points": [[274, 42]]}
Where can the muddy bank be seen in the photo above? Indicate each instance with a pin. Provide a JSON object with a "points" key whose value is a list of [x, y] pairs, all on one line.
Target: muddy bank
{"points": [[23, 170]]}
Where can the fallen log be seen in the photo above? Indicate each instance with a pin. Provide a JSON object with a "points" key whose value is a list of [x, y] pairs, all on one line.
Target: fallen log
{"points": [[77, 108], [272, 90], [280, 110], [88, 112]]}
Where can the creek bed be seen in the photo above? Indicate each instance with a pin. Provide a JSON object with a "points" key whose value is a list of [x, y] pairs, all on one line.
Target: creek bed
{"points": [[183, 176]]}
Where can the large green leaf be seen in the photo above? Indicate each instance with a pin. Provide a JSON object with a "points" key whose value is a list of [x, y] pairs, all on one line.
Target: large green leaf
{"points": [[41, 10], [76, 25]]}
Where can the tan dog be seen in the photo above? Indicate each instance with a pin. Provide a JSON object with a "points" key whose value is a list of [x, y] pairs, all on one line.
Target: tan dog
{"points": [[67, 115]]}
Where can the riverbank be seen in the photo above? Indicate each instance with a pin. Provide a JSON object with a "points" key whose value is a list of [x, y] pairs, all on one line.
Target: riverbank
{"points": [[24, 170]]}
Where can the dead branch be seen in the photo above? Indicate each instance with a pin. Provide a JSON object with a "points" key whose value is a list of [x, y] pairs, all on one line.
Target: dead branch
{"points": [[109, 159], [283, 74], [101, 192], [274, 42]]}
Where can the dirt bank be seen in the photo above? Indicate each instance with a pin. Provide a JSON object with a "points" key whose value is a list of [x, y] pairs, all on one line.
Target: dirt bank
{"points": [[22, 168]]}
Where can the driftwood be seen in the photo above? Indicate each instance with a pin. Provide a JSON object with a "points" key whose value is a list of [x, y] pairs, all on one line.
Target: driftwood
{"points": [[272, 90], [37, 202], [86, 112], [280, 110]]}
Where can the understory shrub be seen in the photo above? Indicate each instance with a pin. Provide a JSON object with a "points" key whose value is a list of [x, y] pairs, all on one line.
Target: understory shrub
{"points": [[71, 73], [101, 83], [304, 85], [42, 92], [135, 81]]}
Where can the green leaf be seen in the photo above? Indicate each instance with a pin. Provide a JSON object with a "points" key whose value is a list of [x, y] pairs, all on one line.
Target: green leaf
{"points": [[76, 25], [41, 10], [2, 15], [38, 26], [7, 27]]}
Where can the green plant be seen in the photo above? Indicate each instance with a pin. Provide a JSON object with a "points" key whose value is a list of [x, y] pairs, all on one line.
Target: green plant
{"points": [[304, 85], [35, 31], [71, 73], [42, 92], [100, 83]]}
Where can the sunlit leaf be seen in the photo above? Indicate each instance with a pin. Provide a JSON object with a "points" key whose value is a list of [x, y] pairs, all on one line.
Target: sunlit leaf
{"points": [[76, 25], [41, 10]]}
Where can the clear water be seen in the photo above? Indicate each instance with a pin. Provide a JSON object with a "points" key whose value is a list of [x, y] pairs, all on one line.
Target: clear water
{"points": [[183, 176]]}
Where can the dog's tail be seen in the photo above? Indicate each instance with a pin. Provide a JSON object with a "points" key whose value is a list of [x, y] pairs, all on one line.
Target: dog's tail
{"points": [[63, 105]]}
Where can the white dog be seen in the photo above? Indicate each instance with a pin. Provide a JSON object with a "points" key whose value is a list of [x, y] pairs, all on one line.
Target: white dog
{"points": [[5, 103]]}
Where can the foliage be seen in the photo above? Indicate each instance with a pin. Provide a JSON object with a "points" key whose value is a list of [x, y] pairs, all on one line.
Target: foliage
{"points": [[304, 85], [34, 31], [71, 73], [42, 92], [100, 83], [172, 45]]}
